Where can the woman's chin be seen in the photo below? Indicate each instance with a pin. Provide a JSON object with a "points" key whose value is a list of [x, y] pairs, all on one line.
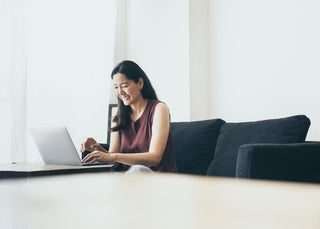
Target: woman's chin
{"points": [[126, 103]]}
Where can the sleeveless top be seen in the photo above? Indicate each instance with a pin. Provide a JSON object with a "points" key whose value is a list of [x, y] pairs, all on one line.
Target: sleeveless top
{"points": [[137, 136]]}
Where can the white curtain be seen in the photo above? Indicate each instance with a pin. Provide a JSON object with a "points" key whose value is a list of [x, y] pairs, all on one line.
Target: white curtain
{"points": [[12, 79], [55, 62]]}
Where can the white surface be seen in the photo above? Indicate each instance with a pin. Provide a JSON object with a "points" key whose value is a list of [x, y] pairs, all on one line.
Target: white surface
{"points": [[263, 57], [70, 45], [107, 200], [265, 60], [158, 39]]}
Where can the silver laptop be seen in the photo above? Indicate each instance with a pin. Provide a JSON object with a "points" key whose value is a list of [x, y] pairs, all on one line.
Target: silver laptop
{"points": [[56, 146]]}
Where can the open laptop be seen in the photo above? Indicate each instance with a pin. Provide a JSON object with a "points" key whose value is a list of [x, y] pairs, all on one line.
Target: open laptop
{"points": [[56, 147]]}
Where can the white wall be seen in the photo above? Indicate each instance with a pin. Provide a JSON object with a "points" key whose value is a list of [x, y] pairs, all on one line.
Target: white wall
{"points": [[236, 60], [199, 55], [265, 59], [69, 60], [158, 40], [170, 40]]}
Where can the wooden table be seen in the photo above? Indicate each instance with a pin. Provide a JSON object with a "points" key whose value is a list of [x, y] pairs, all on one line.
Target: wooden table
{"points": [[39, 169], [110, 200]]}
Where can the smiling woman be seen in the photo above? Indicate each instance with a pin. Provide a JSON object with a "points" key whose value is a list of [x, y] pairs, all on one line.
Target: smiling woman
{"points": [[140, 137], [53, 70]]}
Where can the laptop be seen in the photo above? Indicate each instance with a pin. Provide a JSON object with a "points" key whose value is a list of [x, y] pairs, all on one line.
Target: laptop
{"points": [[56, 147]]}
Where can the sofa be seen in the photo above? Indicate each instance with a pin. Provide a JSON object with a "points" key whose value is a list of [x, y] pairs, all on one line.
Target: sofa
{"points": [[273, 149]]}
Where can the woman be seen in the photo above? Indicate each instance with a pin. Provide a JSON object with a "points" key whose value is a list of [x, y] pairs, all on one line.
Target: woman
{"points": [[141, 128]]}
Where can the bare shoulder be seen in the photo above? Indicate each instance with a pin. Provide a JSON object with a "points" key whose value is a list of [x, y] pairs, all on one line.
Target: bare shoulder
{"points": [[161, 108], [161, 117]]}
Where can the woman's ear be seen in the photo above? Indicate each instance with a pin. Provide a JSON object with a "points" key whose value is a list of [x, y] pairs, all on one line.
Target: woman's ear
{"points": [[141, 83]]}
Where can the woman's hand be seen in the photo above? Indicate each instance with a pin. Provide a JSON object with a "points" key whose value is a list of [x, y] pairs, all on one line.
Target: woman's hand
{"points": [[97, 156], [91, 145]]}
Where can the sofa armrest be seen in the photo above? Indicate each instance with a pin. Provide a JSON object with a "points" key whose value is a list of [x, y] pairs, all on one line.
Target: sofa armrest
{"points": [[286, 162]]}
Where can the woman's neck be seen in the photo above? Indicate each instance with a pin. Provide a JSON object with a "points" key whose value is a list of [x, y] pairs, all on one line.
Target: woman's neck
{"points": [[138, 108]]}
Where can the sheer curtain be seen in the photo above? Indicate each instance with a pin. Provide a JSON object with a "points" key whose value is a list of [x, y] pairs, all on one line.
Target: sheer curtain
{"points": [[55, 62], [12, 79]]}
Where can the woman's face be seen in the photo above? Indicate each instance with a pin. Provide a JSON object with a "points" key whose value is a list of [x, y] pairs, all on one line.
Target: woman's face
{"points": [[127, 90]]}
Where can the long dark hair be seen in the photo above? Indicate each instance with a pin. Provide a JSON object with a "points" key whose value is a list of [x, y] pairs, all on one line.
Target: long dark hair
{"points": [[133, 72]]}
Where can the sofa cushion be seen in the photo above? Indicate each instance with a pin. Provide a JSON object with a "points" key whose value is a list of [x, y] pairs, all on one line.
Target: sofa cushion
{"points": [[194, 144], [232, 135]]}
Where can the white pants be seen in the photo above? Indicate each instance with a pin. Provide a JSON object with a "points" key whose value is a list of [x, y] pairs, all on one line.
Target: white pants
{"points": [[139, 169]]}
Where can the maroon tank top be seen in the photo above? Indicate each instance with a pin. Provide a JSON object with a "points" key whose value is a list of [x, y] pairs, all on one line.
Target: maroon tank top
{"points": [[137, 136]]}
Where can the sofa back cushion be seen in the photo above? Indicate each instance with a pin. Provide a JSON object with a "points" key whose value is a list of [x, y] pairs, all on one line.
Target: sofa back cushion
{"points": [[232, 135], [194, 144]]}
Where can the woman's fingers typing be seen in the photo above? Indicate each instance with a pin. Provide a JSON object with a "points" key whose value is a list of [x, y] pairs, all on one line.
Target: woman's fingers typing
{"points": [[94, 156]]}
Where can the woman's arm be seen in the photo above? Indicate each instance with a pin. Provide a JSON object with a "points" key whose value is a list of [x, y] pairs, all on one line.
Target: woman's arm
{"points": [[114, 142], [160, 132]]}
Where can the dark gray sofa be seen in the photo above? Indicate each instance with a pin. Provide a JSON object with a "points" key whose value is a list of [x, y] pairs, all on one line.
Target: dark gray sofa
{"points": [[273, 149]]}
